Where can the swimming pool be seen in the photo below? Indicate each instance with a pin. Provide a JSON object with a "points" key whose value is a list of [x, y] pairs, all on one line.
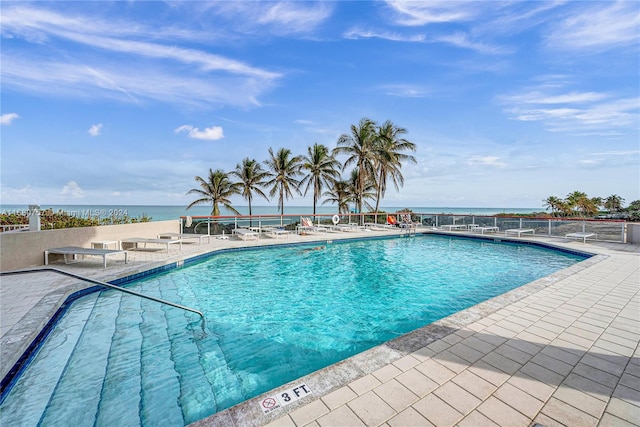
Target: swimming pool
{"points": [[273, 315]]}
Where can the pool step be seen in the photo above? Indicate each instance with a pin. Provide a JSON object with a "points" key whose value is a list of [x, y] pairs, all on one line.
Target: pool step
{"points": [[81, 381], [123, 370], [226, 385], [159, 380], [31, 394], [196, 394]]}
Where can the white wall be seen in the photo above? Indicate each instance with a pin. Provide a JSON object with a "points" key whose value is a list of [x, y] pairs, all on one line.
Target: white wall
{"points": [[26, 248]]}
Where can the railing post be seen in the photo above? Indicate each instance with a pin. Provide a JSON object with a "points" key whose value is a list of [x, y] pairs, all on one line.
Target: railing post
{"points": [[209, 226], [549, 228]]}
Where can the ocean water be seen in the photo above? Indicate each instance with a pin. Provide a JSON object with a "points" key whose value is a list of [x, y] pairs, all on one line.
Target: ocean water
{"points": [[163, 213]]}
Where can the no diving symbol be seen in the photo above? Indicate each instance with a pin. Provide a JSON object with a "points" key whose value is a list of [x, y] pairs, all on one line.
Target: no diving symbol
{"points": [[269, 403]]}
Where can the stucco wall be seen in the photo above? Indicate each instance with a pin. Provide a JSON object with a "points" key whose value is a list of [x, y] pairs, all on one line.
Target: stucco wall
{"points": [[633, 233], [26, 248]]}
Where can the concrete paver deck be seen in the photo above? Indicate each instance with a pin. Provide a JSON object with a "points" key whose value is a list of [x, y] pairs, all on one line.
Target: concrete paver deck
{"points": [[563, 350]]}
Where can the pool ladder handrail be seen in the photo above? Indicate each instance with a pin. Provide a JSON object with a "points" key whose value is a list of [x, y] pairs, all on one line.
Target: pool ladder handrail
{"points": [[110, 286]]}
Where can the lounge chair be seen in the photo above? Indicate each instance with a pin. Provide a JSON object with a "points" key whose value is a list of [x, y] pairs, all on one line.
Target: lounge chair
{"points": [[519, 231], [74, 251], [406, 221], [581, 235], [451, 227], [198, 237], [483, 230], [306, 226], [245, 233], [276, 232], [375, 226], [136, 241], [343, 228]]}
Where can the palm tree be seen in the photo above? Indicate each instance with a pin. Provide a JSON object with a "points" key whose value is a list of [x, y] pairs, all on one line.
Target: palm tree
{"points": [[216, 189], [575, 199], [283, 170], [368, 192], [360, 149], [251, 177], [322, 170], [553, 203], [389, 156], [339, 194], [613, 203]]}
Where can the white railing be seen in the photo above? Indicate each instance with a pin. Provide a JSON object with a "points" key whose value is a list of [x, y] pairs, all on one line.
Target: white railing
{"points": [[12, 227], [606, 230]]}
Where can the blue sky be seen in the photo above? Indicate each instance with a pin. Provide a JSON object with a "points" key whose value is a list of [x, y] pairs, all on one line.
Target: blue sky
{"points": [[508, 102]]}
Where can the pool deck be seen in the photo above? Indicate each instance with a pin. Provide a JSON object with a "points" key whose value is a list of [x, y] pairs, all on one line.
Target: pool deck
{"points": [[562, 350]]}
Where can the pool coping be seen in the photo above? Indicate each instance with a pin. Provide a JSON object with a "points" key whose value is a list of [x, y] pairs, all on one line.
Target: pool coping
{"points": [[22, 342]]}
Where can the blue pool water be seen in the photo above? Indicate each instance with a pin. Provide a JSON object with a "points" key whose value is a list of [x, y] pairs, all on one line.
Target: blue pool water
{"points": [[273, 315]]}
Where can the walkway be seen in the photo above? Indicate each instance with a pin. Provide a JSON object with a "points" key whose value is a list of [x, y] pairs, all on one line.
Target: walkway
{"points": [[562, 350]]}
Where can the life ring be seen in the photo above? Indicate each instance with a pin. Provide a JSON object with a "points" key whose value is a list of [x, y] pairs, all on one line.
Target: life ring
{"points": [[335, 219]]}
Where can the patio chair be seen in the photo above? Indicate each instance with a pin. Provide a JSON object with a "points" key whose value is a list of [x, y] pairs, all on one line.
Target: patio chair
{"points": [[306, 226], [74, 251]]}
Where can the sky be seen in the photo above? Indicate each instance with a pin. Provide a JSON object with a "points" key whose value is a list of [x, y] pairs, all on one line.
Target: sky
{"points": [[508, 102]]}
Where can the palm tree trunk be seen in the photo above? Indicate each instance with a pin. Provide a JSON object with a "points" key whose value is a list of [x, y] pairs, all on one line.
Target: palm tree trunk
{"points": [[379, 191]]}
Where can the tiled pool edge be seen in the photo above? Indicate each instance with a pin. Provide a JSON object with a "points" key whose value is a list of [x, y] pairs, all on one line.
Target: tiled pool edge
{"points": [[331, 378]]}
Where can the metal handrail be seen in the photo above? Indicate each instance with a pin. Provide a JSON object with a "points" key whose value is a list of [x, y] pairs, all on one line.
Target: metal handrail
{"points": [[110, 286]]}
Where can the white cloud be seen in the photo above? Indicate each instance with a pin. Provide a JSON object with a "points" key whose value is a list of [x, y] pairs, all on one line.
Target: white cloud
{"points": [[537, 97], [486, 161], [598, 26], [414, 13], [19, 20], [463, 41], [574, 112], [617, 153], [405, 90], [73, 190], [116, 81], [167, 73], [213, 133], [281, 18], [95, 130], [358, 33], [295, 17], [6, 119]]}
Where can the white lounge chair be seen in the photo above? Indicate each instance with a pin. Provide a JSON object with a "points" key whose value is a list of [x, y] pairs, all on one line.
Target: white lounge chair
{"points": [[519, 231], [74, 251], [136, 241], [198, 237], [483, 230], [581, 235], [276, 232], [451, 227], [344, 228], [306, 226], [245, 233]]}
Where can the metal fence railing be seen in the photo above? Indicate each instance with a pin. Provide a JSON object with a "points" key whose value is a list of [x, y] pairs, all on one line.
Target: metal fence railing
{"points": [[605, 230]]}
